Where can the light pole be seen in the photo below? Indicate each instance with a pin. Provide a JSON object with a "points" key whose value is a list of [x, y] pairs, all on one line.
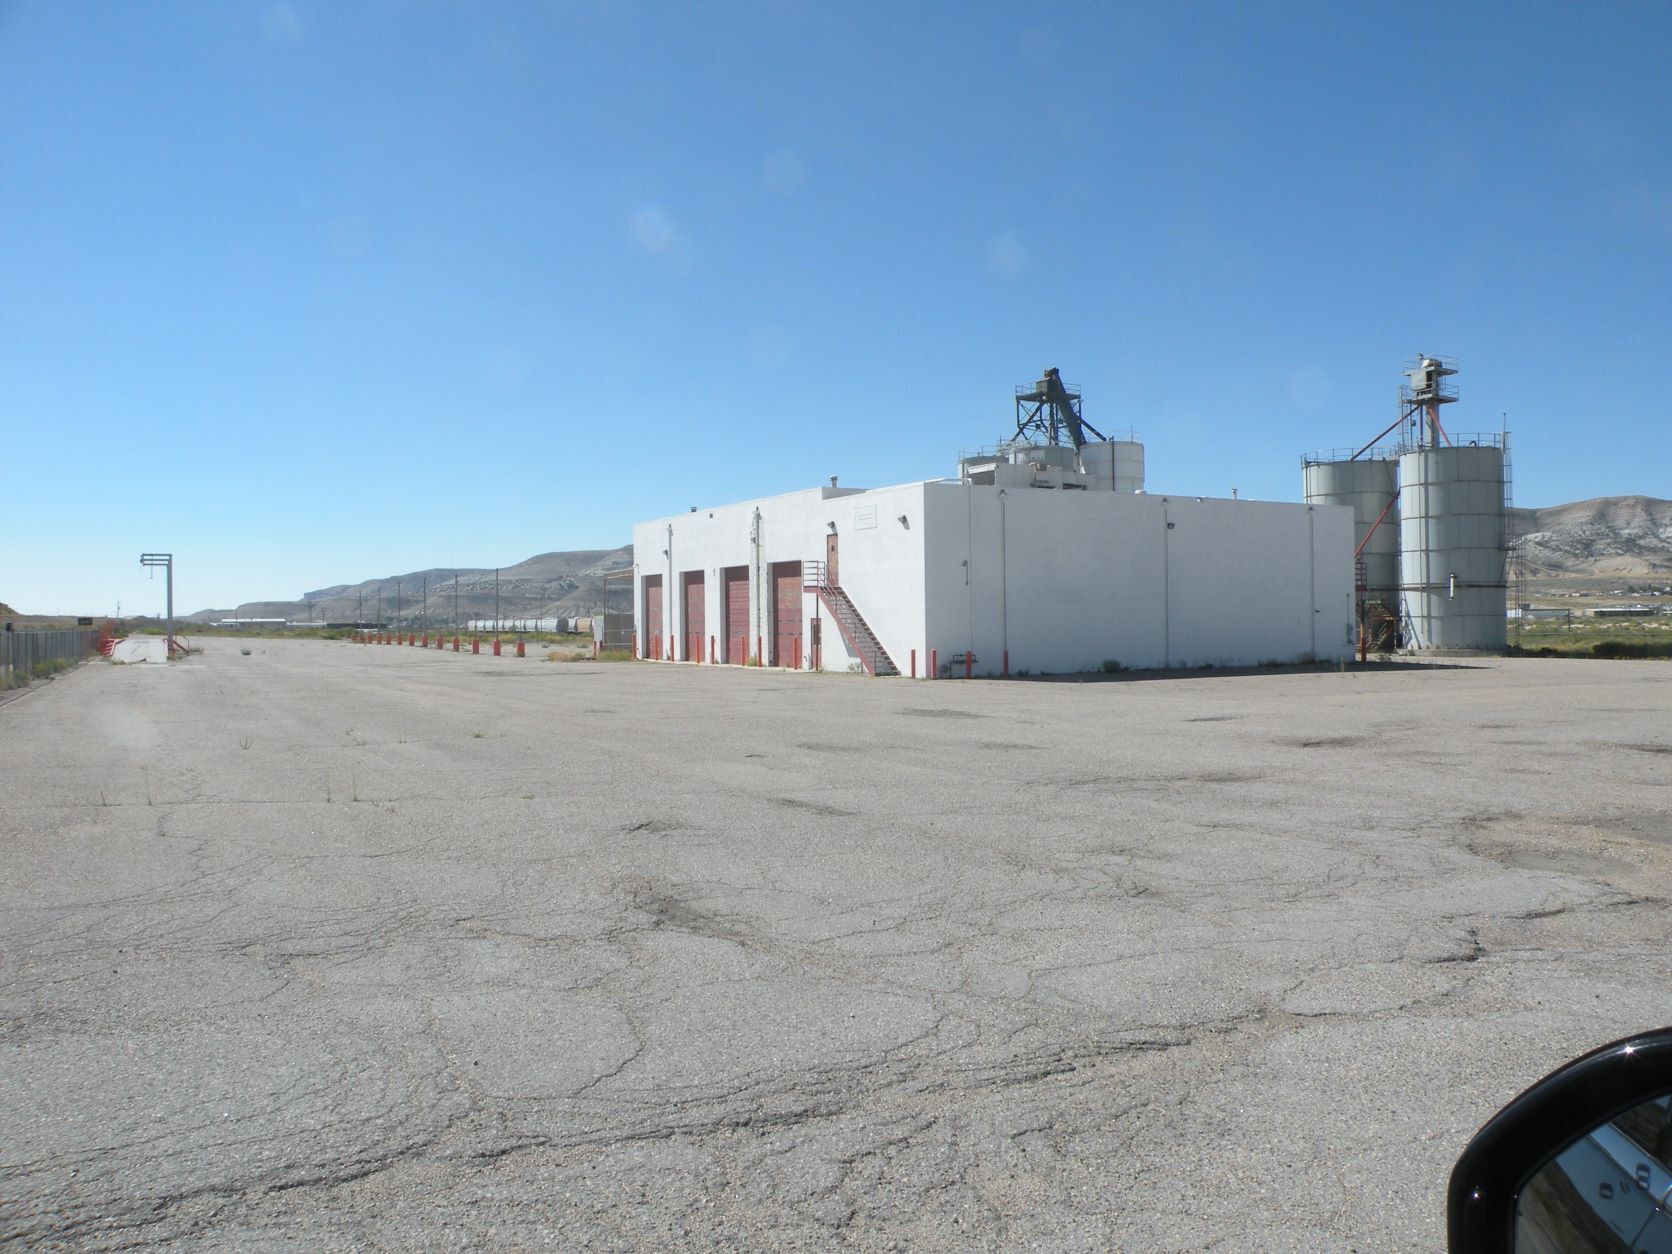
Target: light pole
{"points": [[165, 560]]}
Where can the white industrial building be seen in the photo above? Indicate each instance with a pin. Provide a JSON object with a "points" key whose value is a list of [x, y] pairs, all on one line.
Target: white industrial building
{"points": [[1040, 557]]}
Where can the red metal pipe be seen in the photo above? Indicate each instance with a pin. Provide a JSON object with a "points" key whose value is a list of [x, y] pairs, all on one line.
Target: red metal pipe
{"points": [[1375, 524]]}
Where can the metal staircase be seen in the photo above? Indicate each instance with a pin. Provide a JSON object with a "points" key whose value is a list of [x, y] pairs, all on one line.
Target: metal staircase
{"points": [[858, 634]]}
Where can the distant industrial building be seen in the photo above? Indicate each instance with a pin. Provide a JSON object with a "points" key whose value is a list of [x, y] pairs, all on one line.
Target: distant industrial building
{"points": [[1043, 555]]}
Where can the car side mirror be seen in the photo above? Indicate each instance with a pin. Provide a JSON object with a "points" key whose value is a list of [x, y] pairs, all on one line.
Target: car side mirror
{"points": [[1581, 1161]]}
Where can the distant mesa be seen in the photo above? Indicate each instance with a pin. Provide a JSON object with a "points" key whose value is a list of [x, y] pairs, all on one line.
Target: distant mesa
{"points": [[549, 585], [1609, 537]]}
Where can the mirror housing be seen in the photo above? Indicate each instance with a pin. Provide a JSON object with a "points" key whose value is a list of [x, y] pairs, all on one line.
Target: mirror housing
{"points": [[1538, 1125]]}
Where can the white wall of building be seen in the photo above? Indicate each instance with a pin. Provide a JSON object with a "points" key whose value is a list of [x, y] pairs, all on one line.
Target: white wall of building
{"points": [[1067, 580], [1062, 579]]}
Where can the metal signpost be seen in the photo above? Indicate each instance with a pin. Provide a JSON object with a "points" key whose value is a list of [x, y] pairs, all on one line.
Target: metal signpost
{"points": [[165, 560]]}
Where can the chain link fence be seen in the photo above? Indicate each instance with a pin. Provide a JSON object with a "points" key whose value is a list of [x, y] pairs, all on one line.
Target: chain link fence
{"points": [[26, 655]]}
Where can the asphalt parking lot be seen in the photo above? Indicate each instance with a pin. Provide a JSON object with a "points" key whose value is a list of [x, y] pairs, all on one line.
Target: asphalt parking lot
{"points": [[335, 946]]}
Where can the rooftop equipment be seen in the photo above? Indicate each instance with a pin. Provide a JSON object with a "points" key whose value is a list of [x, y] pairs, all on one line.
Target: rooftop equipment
{"points": [[1050, 448], [1049, 410]]}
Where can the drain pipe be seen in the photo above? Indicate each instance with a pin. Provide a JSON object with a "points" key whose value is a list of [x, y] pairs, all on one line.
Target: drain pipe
{"points": [[759, 578], [1004, 584]]}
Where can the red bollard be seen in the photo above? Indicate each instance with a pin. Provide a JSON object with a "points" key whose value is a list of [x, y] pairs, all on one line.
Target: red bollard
{"points": [[520, 652], [795, 660], [969, 661], [711, 650], [594, 650], [760, 653], [476, 644], [1007, 663], [914, 663], [455, 644], [934, 663], [496, 646]]}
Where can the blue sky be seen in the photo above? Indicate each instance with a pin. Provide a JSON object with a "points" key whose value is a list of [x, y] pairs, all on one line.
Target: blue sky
{"points": [[311, 293]]}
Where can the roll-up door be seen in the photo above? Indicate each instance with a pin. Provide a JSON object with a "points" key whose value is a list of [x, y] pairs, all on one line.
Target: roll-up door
{"points": [[692, 592], [786, 613], [654, 645], [736, 626]]}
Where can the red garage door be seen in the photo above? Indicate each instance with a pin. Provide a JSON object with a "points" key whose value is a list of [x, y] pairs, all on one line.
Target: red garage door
{"points": [[736, 626], [654, 646], [692, 592], [786, 613]]}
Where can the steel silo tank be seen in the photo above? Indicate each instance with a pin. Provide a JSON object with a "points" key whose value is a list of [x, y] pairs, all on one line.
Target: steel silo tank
{"points": [[1451, 546], [1368, 485], [1128, 458]]}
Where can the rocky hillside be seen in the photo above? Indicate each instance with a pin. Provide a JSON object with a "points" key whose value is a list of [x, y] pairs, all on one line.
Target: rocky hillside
{"points": [[548, 585], [1610, 538]]}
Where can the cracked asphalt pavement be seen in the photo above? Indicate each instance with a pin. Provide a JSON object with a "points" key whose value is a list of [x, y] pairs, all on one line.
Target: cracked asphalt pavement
{"points": [[338, 947]]}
